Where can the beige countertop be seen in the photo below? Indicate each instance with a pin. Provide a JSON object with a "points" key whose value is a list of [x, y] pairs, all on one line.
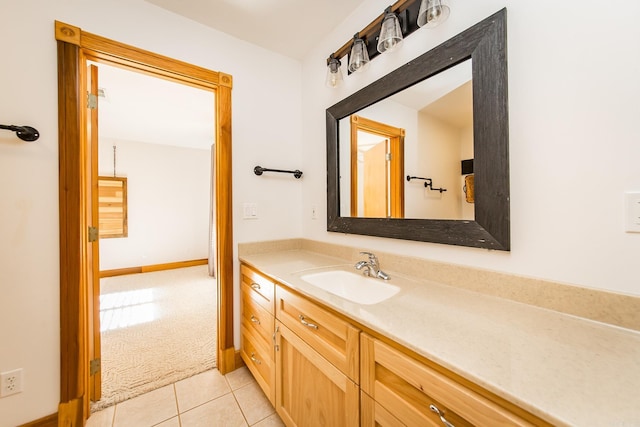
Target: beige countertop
{"points": [[564, 369]]}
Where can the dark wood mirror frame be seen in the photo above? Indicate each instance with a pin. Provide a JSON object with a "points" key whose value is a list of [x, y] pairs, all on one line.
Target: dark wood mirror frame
{"points": [[486, 44]]}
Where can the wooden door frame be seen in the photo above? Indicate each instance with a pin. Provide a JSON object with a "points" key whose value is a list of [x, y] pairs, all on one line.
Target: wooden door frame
{"points": [[75, 46], [396, 139]]}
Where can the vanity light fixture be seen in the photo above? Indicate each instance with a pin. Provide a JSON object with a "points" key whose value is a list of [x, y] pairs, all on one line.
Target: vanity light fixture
{"points": [[359, 56], [334, 73], [390, 32], [385, 32], [432, 13]]}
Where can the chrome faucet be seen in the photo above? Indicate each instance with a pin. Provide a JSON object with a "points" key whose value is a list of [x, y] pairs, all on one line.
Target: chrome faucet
{"points": [[372, 267]]}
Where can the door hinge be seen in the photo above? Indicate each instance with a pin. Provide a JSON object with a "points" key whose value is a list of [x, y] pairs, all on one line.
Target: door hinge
{"points": [[93, 234], [92, 101], [388, 157], [94, 366]]}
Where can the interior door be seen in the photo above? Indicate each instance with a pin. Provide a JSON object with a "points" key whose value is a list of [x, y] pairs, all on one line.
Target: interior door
{"points": [[383, 195], [93, 260], [375, 182]]}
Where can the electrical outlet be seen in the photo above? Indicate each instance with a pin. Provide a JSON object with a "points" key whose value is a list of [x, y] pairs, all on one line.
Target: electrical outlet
{"points": [[10, 382]]}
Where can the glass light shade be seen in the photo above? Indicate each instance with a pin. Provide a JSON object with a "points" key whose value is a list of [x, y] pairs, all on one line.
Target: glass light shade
{"points": [[359, 56], [432, 13], [334, 73], [390, 33]]}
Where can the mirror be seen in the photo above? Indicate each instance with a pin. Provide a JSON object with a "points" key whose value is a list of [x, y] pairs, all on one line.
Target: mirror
{"points": [[425, 130], [483, 49]]}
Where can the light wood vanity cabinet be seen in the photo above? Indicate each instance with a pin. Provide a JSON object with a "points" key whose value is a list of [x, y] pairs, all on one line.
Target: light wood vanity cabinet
{"points": [[317, 368], [305, 359]]}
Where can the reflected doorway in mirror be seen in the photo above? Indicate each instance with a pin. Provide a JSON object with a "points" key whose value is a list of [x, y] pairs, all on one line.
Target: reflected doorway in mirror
{"points": [[376, 169]]}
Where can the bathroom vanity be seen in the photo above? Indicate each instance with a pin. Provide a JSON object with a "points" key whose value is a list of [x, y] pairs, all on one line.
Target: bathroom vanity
{"points": [[426, 355]]}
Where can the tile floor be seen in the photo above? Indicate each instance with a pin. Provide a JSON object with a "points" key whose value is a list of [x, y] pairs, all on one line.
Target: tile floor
{"points": [[204, 400]]}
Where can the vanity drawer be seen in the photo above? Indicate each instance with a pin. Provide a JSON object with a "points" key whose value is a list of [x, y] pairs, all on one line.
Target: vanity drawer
{"points": [[334, 338], [408, 389], [258, 355], [260, 288], [254, 316], [373, 414]]}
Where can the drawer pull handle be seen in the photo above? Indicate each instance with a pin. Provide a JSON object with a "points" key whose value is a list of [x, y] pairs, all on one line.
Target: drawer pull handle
{"points": [[277, 347], [255, 359], [254, 319], [307, 324], [255, 286], [435, 409]]}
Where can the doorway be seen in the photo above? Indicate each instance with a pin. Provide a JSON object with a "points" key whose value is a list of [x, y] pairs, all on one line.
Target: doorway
{"points": [[377, 169], [157, 301], [78, 182]]}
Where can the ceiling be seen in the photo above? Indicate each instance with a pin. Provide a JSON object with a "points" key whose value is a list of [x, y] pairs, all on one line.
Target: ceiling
{"points": [[138, 107], [288, 27]]}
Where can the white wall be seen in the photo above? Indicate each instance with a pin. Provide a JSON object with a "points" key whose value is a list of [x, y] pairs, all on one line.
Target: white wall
{"points": [[438, 158], [573, 93], [266, 88], [574, 138], [168, 203]]}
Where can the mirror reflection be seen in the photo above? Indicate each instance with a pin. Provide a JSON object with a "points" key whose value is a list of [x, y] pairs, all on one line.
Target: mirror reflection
{"points": [[411, 155]]}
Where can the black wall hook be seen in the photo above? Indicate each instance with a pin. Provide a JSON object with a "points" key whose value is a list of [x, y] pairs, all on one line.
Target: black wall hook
{"points": [[25, 133], [259, 170]]}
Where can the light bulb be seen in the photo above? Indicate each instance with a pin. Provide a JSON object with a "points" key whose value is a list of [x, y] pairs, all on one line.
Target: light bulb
{"points": [[432, 13], [359, 57], [390, 33], [334, 74]]}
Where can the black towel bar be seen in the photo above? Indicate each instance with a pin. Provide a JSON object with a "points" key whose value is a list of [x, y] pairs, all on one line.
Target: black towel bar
{"points": [[259, 170], [25, 133]]}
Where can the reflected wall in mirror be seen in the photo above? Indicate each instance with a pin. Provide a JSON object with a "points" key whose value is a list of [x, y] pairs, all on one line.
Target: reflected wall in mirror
{"points": [[425, 130], [474, 209]]}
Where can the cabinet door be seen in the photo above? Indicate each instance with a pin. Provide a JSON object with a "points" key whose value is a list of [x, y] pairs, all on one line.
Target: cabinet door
{"points": [[310, 391], [413, 391]]}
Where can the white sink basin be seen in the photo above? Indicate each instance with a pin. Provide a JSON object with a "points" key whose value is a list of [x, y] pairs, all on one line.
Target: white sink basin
{"points": [[352, 286]]}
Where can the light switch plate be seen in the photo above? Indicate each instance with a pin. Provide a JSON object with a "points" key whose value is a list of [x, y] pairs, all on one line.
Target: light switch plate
{"points": [[250, 211], [632, 212]]}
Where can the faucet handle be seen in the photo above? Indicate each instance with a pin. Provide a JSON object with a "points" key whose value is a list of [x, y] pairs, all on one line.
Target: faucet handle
{"points": [[373, 259], [369, 254]]}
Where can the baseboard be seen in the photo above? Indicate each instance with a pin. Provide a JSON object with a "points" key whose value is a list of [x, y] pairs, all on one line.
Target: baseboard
{"points": [[153, 267], [239, 363], [48, 421]]}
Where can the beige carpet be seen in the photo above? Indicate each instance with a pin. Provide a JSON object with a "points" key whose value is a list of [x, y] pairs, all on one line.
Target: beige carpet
{"points": [[158, 328]]}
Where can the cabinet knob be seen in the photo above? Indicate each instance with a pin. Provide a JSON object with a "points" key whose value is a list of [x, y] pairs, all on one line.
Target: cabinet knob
{"points": [[435, 409], [254, 319], [255, 286], [307, 324]]}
